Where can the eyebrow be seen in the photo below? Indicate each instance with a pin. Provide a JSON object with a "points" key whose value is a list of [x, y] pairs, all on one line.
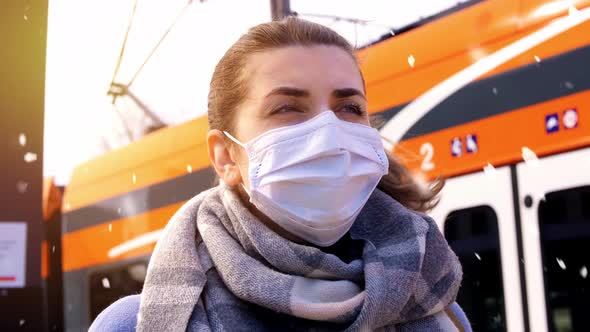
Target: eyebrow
{"points": [[294, 92], [348, 92], [286, 91]]}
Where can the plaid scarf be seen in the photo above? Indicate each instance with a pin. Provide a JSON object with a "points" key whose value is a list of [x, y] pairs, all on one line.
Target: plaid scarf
{"points": [[218, 268]]}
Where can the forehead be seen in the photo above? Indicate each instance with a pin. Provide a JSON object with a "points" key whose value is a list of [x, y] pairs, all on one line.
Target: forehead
{"points": [[306, 67]]}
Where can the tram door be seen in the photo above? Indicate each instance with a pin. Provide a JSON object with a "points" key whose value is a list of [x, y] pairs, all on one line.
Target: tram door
{"points": [[476, 214], [554, 195]]}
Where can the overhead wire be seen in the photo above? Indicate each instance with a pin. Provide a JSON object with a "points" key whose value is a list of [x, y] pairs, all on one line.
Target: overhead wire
{"points": [[174, 22], [119, 89], [122, 52]]}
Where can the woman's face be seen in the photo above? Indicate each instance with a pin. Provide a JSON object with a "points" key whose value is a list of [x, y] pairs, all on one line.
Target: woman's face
{"points": [[287, 86]]}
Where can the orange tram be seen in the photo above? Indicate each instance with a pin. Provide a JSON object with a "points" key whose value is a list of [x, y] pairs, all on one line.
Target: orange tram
{"points": [[513, 144]]}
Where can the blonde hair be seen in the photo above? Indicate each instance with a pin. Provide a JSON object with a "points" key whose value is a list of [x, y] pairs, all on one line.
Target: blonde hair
{"points": [[229, 87]]}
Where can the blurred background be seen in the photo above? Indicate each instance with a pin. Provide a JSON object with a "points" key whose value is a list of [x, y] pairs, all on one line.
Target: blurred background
{"points": [[103, 119], [173, 82]]}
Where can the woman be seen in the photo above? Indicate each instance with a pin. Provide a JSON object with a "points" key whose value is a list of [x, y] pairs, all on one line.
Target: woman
{"points": [[313, 226]]}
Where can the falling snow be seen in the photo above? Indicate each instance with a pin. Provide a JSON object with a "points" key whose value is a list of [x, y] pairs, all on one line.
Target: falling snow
{"points": [[561, 263], [21, 187], [110, 228], [134, 178], [529, 156], [537, 59], [477, 256], [30, 157], [490, 170], [22, 139], [189, 168], [540, 195], [497, 319], [411, 61], [584, 272], [106, 283]]}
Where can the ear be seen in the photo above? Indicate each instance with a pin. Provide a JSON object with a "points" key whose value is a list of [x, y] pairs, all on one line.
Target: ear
{"points": [[219, 154]]}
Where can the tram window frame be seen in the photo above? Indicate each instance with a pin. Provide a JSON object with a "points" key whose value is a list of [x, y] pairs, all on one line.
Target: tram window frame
{"points": [[102, 271], [488, 235], [555, 214]]}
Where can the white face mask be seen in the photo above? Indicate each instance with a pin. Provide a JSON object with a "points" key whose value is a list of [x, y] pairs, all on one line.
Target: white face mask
{"points": [[313, 178]]}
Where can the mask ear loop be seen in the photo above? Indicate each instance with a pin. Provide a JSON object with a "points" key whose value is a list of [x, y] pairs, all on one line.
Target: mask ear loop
{"points": [[242, 145], [234, 139]]}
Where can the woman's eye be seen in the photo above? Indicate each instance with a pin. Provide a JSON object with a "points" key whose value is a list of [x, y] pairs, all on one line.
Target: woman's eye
{"points": [[287, 109], [352, 108]]}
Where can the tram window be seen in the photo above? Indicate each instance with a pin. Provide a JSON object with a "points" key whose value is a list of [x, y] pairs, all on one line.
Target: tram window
{"points": [[109, 285], [564, 220], [473, 235]]}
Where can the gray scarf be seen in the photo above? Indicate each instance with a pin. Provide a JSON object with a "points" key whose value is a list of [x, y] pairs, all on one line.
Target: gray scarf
{"points": [[218, 268]]}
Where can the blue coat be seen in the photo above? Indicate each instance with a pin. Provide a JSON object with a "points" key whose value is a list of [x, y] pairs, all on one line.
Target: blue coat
{"points": [[121, 316]]}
